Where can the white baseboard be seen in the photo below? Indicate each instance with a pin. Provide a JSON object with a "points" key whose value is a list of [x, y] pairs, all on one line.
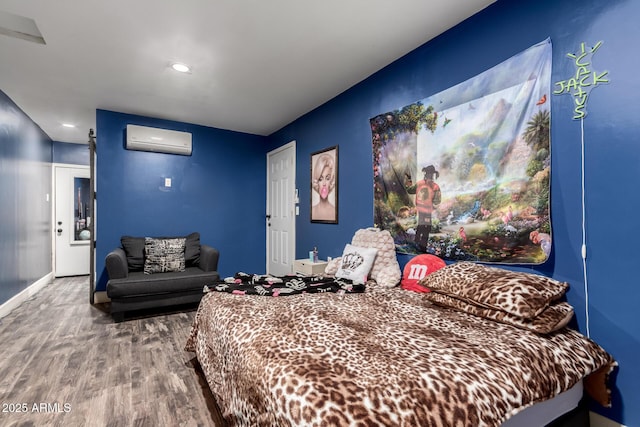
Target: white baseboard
{"points": [[597, 420], [26, 293], [100, 297]]}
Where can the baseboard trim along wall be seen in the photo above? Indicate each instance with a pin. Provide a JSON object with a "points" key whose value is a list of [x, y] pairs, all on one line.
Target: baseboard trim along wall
{"points": [[100, 297], [27, 293], [597, 420]]}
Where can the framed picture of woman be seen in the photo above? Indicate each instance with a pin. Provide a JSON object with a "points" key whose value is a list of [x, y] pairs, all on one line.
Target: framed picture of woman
{"points": [[324, 186]]}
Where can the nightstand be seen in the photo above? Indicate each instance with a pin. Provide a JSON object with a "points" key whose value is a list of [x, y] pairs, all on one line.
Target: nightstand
{"points": [[308, 268]]}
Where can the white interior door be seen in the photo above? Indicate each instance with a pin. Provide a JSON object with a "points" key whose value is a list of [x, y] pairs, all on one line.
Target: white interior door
{"points": [[71, 221], [281, 209]]}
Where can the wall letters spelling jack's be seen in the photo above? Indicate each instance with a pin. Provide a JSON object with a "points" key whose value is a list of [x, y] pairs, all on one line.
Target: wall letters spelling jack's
{"points": [[581, 84]]}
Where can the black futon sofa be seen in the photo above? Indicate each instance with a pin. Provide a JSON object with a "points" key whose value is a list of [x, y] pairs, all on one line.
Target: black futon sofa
{"points": [[141, 278]]}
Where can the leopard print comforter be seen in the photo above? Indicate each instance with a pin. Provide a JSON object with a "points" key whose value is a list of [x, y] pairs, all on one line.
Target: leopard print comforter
{"points": [[388, 358]]}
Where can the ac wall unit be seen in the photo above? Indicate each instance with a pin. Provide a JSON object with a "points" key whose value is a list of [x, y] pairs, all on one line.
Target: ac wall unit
{"points": [[144, 138]]}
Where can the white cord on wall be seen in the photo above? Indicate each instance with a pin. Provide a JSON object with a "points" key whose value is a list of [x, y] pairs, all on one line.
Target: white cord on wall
{"points": [[584, 235]]}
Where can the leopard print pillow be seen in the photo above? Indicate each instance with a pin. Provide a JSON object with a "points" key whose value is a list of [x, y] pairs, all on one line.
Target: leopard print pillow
{"points": [[524, 295], [552, 318]]}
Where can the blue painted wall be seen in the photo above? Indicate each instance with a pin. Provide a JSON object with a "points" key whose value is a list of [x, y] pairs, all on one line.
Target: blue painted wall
{"points": [[74, 154], [612, 154], [25, 213], [218, 191]]}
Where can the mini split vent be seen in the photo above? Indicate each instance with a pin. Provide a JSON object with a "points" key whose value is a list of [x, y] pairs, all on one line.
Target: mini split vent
{"points": [[20, 27], [142, 138]]}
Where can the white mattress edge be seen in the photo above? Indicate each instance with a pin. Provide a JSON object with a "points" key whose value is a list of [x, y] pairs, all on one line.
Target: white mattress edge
{"points": [[543, 413]]}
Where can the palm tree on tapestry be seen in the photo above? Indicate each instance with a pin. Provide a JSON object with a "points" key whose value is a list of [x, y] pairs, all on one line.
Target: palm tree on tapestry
{"points": [[536, 136], [537, 131]]}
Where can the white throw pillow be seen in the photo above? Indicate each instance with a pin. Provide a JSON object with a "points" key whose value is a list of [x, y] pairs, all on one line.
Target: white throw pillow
{"points": [[356, 262]]}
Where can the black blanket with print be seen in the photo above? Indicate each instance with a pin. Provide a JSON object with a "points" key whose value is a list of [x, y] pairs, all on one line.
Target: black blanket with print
{"points": [[266, 285]]}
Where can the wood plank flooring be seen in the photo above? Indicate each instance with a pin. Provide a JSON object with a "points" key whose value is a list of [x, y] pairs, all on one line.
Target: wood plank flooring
{"points": [[64, 362]]}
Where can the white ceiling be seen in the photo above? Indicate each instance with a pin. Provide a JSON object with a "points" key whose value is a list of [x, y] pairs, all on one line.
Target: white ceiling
{"points": [[257, 64]]}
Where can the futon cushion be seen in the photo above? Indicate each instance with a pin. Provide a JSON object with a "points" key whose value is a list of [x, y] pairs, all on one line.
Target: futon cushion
{"points": [[192, 249], [134, 249], [139, 284]]}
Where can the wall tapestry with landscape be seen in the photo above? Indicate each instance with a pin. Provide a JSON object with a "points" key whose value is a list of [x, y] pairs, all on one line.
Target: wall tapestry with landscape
{"points": [[464, 174]]}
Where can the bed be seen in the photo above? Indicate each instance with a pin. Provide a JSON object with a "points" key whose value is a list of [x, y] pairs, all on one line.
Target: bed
{"points": [[388, 356]]}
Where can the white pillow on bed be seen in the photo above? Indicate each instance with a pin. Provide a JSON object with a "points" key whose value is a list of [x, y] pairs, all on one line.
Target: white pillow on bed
{"points": [[356, 263]]}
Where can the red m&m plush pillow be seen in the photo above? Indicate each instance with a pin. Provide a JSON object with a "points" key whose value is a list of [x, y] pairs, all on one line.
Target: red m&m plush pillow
{"points": [[418, 268]]}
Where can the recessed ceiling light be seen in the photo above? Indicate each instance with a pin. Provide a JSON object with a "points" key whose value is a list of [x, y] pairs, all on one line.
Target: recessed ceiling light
{"points": [[68, 125], [180, 67]]}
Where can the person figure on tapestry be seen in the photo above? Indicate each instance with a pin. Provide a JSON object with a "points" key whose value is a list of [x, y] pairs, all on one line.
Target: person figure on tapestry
{"points": [[324, 183], [428, 196]]}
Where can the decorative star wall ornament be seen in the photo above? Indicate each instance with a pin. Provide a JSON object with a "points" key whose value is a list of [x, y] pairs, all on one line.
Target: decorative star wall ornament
{"points": [[583, 81]]}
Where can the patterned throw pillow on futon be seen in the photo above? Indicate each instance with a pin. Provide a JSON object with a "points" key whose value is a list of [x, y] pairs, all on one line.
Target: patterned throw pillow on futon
{"points": [[164, 255]]}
